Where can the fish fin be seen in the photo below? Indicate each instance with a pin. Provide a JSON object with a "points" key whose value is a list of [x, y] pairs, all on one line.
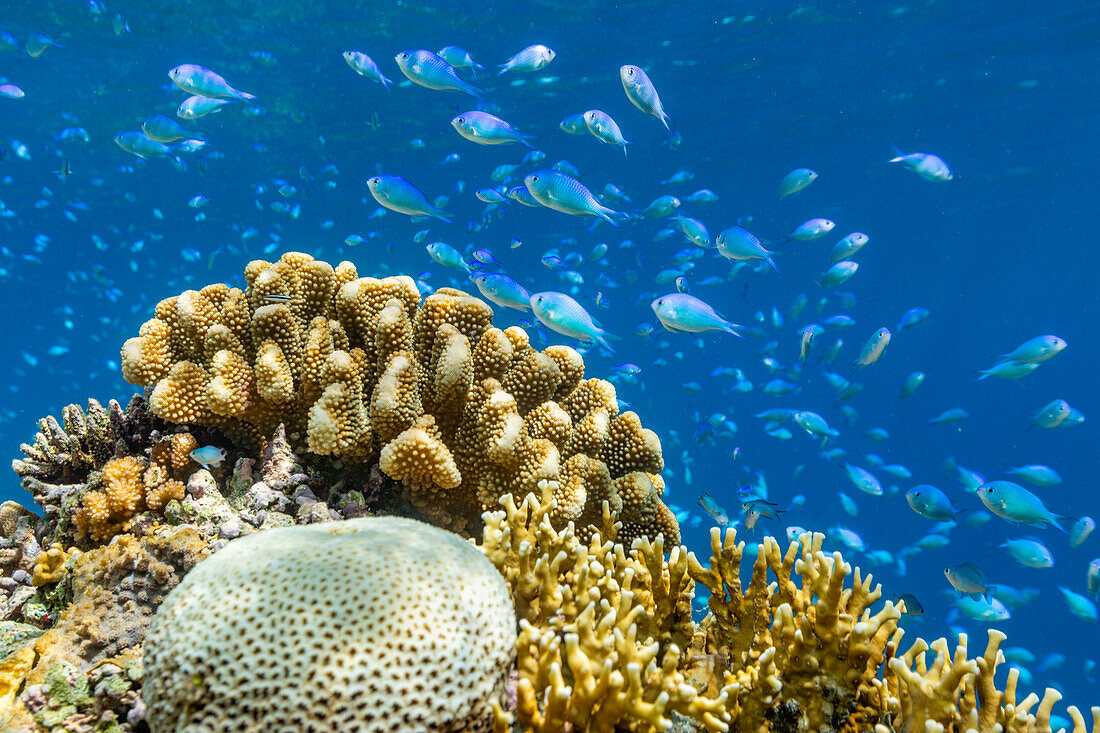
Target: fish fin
{"points": [[976, 596], [442, 216], [523, 140], [607, 217], [248, 98], [625, 143], [732, 328], [898, 155], [385, 82], [666, 121], [1060, 528]]}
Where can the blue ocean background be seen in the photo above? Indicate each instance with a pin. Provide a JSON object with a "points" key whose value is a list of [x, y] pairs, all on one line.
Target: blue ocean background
{"points": [[92, 237]]}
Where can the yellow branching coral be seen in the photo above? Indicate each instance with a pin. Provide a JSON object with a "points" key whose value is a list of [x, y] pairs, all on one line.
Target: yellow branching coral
{"points": [[601, 629], [607, 642], [365, 369]]}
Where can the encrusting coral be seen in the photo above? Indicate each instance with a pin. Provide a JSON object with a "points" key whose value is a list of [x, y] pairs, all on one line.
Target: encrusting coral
{"points": [[368, 371]]}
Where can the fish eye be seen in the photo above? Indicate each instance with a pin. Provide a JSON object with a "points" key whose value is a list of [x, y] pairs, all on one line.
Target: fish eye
{"points": [[461, 120]]}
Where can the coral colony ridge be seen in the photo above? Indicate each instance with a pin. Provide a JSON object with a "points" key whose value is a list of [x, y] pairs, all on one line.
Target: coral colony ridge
{"points": [[409, 520]]}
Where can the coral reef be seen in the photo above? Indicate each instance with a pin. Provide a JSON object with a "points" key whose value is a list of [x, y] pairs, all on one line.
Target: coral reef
{"points": [[339, 397], [601, 629], [371, 624], [368, 371], [607, 642]]}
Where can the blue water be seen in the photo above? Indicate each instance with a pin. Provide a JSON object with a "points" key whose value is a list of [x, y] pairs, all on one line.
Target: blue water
{"points": [[1004, 92]]}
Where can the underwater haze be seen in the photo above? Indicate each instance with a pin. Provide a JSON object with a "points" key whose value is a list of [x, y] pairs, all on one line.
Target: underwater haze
{"points": [[985, 220]]}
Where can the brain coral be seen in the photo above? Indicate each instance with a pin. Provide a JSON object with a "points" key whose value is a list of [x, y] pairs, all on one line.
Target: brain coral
{"points": [[460, 412], [370, 624]]}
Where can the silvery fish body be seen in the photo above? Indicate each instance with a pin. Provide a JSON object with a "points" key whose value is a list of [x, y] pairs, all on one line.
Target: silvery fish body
{"points": [[561, 313], [364, 66], [486, 129], [531, 58], [642, 94], [429, 70], [397, 194], [195, 79], [683, 312], [566, 194]]}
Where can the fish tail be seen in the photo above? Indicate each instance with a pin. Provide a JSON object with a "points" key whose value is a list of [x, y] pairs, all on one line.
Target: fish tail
{"points": [[385, 82], [474, 91], [625, 143], [603, 214], [772, 263], [898, 156], [732, 328], [442, 216], [503, 68], [522, 138], [666, 121], [248, 98]]}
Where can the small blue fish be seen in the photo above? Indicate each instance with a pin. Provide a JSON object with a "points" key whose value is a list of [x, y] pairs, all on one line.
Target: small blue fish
{"points": [[1038, 349], [642, 94], [738, 243], [912, 317], [486, 129], [460, 58], [364, 66], [927, 166], [560, 313], [447, 256], [683, 312], [502, 290], [208, 456], [809, 230], [949, 416], [574, 124], [397, 194], [429, 70], [604, 129], [848, 246], [1014, 503], [532, 58], [795, 181], [714, 509], [566, 194], [195, 79], [968, 578], [931, 503]]}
